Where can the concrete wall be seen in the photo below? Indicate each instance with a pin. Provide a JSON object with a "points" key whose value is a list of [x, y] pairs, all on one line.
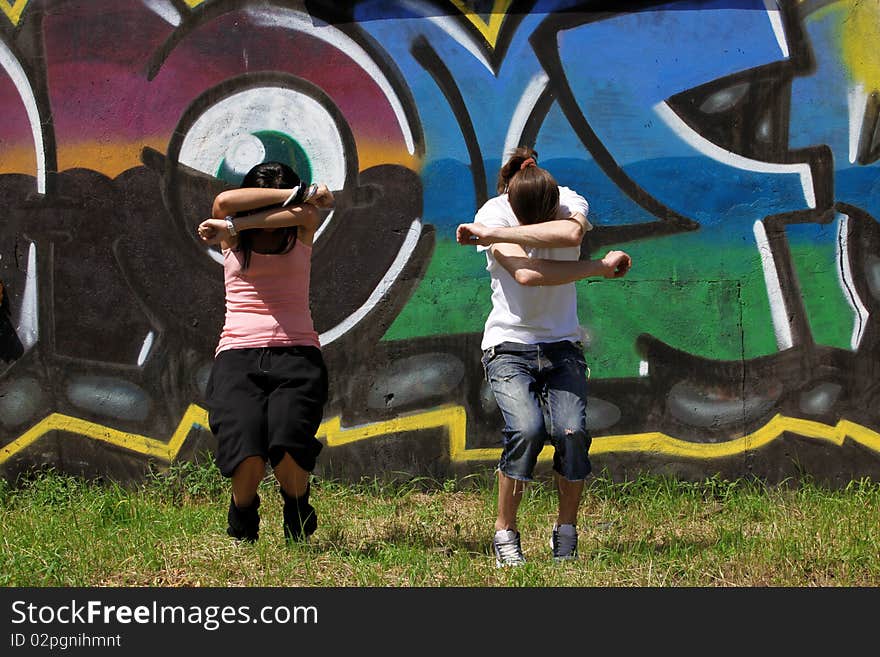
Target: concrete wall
{"points": [[730, 146]]}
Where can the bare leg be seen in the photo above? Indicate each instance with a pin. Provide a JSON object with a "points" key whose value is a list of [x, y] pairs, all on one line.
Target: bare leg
{"points": [[569, 500], [246, 479], [243, 515], [510, 492], [293, 479], [300, 518]]}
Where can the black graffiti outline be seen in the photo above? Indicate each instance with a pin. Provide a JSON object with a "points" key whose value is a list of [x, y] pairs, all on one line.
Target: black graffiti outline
{"points": [[428, 58]]}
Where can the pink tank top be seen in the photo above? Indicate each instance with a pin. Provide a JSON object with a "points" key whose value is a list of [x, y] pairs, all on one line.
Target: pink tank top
{"points": [[267, 305]]}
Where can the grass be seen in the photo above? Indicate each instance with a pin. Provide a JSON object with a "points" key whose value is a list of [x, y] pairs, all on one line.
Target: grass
{"points": [[59, 530]]}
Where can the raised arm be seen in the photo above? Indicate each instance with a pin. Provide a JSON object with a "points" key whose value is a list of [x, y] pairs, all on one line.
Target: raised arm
{"points": [[541, 271], [225, 231], [222, 230], [565, 230], [243, 199], [305, 215], [556, 233], [233, 201]]}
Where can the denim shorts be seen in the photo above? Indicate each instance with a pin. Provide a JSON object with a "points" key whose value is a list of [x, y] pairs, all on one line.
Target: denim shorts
{"points": [[541, 390]]}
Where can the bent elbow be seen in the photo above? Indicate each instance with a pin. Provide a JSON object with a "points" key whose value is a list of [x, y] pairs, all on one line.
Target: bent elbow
{"points": [[220, 208], [576, 236], [527, 277]]}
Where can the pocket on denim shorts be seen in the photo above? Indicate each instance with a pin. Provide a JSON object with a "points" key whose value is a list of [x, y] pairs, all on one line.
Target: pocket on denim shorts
{"points": [[576, 360], [502, 368]]}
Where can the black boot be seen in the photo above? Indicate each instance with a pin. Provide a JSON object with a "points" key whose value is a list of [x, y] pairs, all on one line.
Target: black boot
{"points": [[244, 522], [300, 518]]}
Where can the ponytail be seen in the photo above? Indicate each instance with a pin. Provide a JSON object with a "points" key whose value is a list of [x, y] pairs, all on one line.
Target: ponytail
{"points": [[522, 158], [532, 192]]}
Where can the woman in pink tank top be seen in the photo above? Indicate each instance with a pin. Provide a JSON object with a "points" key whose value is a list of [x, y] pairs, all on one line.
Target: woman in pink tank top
{"points": [[268, 383]]}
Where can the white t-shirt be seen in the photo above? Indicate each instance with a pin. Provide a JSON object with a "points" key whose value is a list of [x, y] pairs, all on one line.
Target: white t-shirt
{"points": [[525, 314]]}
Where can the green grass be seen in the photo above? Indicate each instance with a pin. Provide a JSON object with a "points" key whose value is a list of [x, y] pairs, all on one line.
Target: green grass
{"points": [[59, 530]]}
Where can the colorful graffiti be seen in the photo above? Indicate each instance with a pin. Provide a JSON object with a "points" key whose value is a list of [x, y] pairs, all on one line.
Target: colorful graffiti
{"points": [[730, 146]]}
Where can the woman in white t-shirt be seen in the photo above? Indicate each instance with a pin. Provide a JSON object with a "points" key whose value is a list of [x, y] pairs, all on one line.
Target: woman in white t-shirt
{"points": [[532, 351]]}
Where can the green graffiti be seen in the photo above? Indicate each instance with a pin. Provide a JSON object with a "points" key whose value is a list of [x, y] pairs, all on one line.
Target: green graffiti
{"points": [[668, 294], [830, 316]]}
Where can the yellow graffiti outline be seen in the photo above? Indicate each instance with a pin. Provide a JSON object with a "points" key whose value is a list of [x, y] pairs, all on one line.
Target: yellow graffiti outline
{"points": [[14, 9], [451, 418], [491, 29], [779, 424], [454, 420], [141, 444]]}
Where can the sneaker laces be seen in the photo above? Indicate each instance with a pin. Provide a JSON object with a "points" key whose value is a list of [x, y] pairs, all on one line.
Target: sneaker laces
{"points": [[508, 548]]}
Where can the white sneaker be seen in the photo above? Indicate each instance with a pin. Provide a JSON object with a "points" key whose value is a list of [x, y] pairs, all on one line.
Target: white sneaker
{"points": [[507, 548], [564, 542]]}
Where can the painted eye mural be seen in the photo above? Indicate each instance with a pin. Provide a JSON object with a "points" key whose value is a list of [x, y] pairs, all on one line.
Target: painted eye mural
{"points": [[303, 103], [264, 117]]}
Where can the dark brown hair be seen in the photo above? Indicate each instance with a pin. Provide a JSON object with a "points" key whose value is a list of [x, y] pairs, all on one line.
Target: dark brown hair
{"points": [[275, 175], [532, 192]]}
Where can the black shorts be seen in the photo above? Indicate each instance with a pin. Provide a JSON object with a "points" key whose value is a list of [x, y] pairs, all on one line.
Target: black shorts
{"points": [[266, 401]]}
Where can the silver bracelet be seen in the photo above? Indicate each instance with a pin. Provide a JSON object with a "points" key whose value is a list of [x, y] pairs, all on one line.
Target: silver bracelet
{"points": [[230, 225], [291, 197], [313, 189]]}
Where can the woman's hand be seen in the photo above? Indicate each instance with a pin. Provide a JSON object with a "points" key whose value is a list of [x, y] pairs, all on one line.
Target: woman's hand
{"points": [[322, 198], [213, 231]]}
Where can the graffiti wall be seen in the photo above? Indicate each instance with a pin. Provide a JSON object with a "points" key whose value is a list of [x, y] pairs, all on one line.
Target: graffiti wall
{"points": [[730, 146]]}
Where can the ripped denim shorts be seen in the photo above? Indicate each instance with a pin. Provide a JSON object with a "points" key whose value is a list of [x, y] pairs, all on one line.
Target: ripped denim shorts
{"points": [[541, 390]]}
